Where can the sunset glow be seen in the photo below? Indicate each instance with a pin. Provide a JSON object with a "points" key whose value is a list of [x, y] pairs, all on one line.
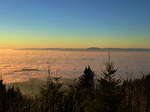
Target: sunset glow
{"points": [[74, 24]]}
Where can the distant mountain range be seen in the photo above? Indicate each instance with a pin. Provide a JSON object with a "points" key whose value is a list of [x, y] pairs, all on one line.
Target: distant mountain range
{"points": [[89, 49]]}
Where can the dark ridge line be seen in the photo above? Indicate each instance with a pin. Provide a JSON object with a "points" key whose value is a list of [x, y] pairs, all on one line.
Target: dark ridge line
{"points": [[89, 49]]}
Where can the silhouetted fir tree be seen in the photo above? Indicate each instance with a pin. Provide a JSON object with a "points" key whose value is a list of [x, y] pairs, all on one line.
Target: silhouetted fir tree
{"points": [[86, 81], [51, 96], [108, 92], [81, 92], [72, 99], [15, 100], [86, 85], [109, 88], [3, 100], [147, 92]]}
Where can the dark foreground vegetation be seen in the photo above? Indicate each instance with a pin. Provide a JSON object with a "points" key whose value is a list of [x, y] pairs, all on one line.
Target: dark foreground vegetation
{"points": [[87, 94]]}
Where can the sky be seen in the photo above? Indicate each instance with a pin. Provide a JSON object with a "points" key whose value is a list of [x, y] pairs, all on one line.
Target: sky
{"points": [[74, 23]]}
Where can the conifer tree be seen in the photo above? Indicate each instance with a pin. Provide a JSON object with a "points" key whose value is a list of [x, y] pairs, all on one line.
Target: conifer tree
{"points": [[86, 81], [82, 92], [3, 99], [51, 96], [109, 90]]}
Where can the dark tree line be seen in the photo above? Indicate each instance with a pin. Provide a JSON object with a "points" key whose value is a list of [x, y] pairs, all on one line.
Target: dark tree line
{"points": [[87, 94], [137, 94], [12, 100]]}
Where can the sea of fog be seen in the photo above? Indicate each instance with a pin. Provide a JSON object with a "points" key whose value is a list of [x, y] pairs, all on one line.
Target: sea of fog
{"points": [[22, 65]]}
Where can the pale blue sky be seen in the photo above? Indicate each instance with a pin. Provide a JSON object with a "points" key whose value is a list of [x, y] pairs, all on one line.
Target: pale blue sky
{"points": [[58, 23]]}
